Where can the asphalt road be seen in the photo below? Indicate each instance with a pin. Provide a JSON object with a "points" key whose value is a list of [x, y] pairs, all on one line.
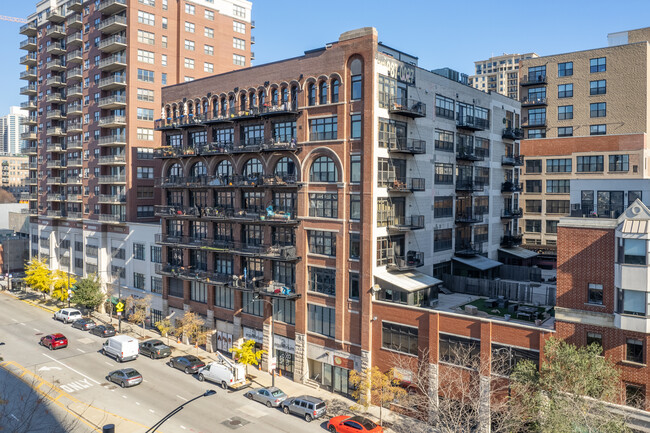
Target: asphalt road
{"points": [[80, 371]]}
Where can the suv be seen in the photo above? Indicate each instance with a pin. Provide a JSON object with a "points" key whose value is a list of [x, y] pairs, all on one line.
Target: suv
{"points": [[304, 406], [68, 315]]}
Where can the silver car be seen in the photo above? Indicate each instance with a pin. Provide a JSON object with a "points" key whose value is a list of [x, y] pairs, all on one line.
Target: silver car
{"points": [[271, 397], [126, 377], [305, 406]]}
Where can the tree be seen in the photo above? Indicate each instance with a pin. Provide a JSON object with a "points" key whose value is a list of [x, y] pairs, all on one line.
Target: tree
{"points": [[138, 308], [88, 292], [165, 327], [190, 325], [62, 282], [38, 275], [373, 386], [569, 391], [246, 355]]}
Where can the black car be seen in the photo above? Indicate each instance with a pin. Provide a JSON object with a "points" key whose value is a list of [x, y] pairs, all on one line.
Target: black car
{"points": [[84, 324], [190, 364], [103, 330], [125, 377], [155, 349]]}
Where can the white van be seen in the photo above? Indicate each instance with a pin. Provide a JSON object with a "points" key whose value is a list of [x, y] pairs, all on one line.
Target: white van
{"points": [[121, 347], [225, 372]]}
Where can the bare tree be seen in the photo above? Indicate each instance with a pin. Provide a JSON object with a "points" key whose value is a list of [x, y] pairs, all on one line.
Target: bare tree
{"points": [[138, 310]]}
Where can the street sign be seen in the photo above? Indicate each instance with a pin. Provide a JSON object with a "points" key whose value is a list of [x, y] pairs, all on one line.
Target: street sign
{"points": [[272, 363], [119, 307]]}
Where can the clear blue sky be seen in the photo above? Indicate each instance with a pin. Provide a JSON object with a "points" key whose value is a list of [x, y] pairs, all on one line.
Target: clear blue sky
{"points": [[441, 33]]}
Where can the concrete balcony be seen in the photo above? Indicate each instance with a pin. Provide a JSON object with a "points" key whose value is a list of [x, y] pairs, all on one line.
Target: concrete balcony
{"points": [[112, 160], [75, 5], [75, 109], [55, 16], [75, 74], [75, 127], [75, 215], [55, 65], [75, 92], [55, 49], [74, 144], [54, 180], [29, 44], [33, 165], [74, 180], [29, 59], [29, 74], [112, 121], [112, 140], [30, 149], [112, 25], [112, 178], [112, 218], [54, 147], [74, 21], [75, 56], [54, 213], [112, 63], [55, 131], [77, 198], [74, 40], [75, 162], [112, 83], [57, 32], [55, 115], [109, 7], [55, 164], [29, 29], [112, 102], [55, 82], [29, 105], [29, 90], [30, 121], [55, 97], [29, 135], [111, 198], [55, 197], [112, 44]]}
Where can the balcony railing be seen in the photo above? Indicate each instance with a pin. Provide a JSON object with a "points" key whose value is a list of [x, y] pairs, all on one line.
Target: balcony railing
{"points": [[56, 130], [55, 81], [412, 260], [112, 121], [74, 21], [28, 29], [75, 215], [531, 80], [110, 102], [28, 44], [75, 162], [406, 223], [511, 187], [112, 159], [75, 56], [512, 213], [73, 74], [472, 123], [74, 143], [528, 101], [512, 160], [270, 214], [56, 48], [407, 145], [407, 107], [406, 184], [463, 184], [510, 240], [54, 213], [29, 59], [55, 114], [112, 218], [111, 198], [112, 178], [29, 105], [470, 153], [469, 216], [28, 90], [74, 180], [113, 82], [111, 6], [534, 121], [75, 38], [55, 97], [55, 15], [464, 248], [75, 126], [112, 44], [112, 140], [112, 24], [55, 31], [29, 74], [29, 135]]}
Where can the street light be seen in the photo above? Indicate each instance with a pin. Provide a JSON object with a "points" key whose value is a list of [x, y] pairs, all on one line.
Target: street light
{"points": [[155, 427], [257, 297]]}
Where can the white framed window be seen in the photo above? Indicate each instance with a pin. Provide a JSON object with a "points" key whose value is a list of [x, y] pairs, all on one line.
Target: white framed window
{"points": [[146, 18], [190, 9], [238, 60], [208, 67], [209, 15], [148, 2], [146, 37], [145, 95], [145, 172], [164, 41], [188, 79], [163, 59], [189, 45], [145, 134], [239, 11], [208, 32], [208, 49], [238, 27], [189, 27], [145, 114], [238, 44], [189, 63], [146, 56]]}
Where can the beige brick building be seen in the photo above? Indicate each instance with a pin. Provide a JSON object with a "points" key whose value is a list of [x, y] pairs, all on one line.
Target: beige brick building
{"points": [[499, 74]]}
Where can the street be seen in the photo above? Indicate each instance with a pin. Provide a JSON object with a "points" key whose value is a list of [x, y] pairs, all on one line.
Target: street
{"points": [[79, 371]]}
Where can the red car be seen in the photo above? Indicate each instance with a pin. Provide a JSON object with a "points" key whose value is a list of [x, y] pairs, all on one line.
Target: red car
{"points": [[356, 424], [54, 341]]}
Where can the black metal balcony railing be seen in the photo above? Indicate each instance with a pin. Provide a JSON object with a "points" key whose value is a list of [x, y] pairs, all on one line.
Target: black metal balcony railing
{"points": [[530, 80], [405, 223], [470, 153], [407, 107], [468, 216], [511, 240], [512, 133], [264, 251], [406, 184], [469, 185], [270, 214], [471, 122], [407, 145], [511, 187], [512, 160], [226, 148], [512, 213], [467, 249], [531, 101], [412, 260]]}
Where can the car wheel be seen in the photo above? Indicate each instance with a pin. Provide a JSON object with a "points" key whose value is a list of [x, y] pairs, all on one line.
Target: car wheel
{"points": [[308, 417], [224, 385], [201, 377], [122, 384], [332, 429], [118, 359], [49, 346], [248, 396], [269, 405], [286, 410], [187, 370], [152, 356]]}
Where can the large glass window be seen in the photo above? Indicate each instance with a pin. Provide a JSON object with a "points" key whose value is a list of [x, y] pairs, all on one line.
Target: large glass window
{"points": [[560, 186], [533, 166], [634, 251], [444, 107], [595, 294], [400, 338], [356, 70], [565, 131], [558, 206], [444, 173], [458, 350], [323, 129], [533, 226], [558, 165], [323, 169], [533, 186], [598, 87], [598, 109], [324, 205], [506, 358], [565, 112], [252, 306], [283, 132], [321, 242], [598, 65], [537, 116], [321, 320], [634, 350], [631, 302], [443, 207], [533, 206], [387, 90], [589, 163], [284, 310], [223, 297], [444, 140], [597, 129], [322, 280], [619, 162], [442, 240], [565, 69], [565, 90]]}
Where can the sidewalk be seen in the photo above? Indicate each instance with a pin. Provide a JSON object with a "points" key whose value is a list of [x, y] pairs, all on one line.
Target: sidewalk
{"points": [[337, 404]]}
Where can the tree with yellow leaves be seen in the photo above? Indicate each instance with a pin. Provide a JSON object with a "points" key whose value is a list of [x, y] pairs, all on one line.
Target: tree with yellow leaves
{"points": [[245, 354], [38, 275], [373, 386], [62, 282]]}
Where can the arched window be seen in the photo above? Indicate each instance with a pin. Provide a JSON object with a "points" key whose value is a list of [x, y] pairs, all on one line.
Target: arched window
{"points": [[356, 70], [323, 170], [175, 170], [223, 107], [262, 98], [242, 102], [252, 100], [190, 109], [206, 105], [274, 97], [168, 112], [198, 108], [322, 92], [215, 107], [285, 95], [224, 169], [335, 90], [253, 167], [231, 105], [294, 98], [199, 169], [285, 167], [311, 94]]}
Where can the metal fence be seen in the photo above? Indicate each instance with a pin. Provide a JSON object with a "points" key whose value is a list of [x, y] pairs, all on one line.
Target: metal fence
{"points": [[520, 273], [525, 292]]}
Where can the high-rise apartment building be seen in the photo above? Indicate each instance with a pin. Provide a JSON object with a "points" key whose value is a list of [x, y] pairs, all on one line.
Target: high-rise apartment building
{"points": [[14, 170], [586, 118], [332, 192], [12, 130], [94, 71], [499, 74]]}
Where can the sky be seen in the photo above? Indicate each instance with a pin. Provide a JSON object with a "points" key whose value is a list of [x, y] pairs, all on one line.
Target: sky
{"points": [[441, 33]]}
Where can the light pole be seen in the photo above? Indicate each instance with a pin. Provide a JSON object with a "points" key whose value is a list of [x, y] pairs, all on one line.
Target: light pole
{"points": [[257, 297], [153, 428]]}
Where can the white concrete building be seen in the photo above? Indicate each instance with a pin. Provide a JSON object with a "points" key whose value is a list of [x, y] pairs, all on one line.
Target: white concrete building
{"points": [[11, 129]]}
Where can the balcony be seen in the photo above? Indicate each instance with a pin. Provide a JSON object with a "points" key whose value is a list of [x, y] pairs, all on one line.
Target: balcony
{"points": [[528, 80], [55, 65], [512, 160], [54, 213], [75, 56], [112, 63], [412, 108], [56, 49], [29, 74], [55, 197], [74, 40], [406, 184], [75, 162], [30, 120], [533, 101], [112, 83], [181, 181], [28, 29], [112, 25], [55, 131], [75, 109], [468, 216], [509, 241], [111, 178], [112, 102], [74, 143], [28, 105], [74, 21], [74, 180], [469, 185], [470, 153], [111, 198], [54, 147], [403, 223], [74, 127], [74, 215], [412, 260], [109, 7], [33, 165], [55, 32], [55, 16], [29, 44], [29, 59], [511, 187], [55, 97], [54, 180], [29, 135], [112, 44], [465, 248], [29, 90], [112, 160], [471, 123], [112, 121], [30, 149], [112, 140], [75, 5], [407, 145], [512, 213], [55, 82], [112, 218], [534, 122], [73, 75], [55, 164], [25, 196], [55, 114], [77, 198]]}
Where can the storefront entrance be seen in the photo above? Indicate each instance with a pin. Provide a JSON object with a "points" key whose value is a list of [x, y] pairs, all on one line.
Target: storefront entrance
{"points": [[331, 377], [285, 363]]}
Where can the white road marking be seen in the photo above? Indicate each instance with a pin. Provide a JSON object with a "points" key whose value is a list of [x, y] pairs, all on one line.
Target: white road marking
{"points": [[183, 427], [21, 323], [14, 417], [15, 320], [123, 396], [70, 368], [184, 399], [152, 411], [77, 385], [46, 368], [37, 330], [80, 350], [108, 363], [138, 403]]}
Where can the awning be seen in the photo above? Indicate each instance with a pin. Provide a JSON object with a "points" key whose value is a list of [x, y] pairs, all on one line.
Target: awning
{"points": [[635, 226], [478, 262], [522, 253], [407, 281]]}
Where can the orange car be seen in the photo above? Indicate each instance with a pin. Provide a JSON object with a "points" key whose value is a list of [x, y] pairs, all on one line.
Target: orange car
{"points": [[354, 424]]}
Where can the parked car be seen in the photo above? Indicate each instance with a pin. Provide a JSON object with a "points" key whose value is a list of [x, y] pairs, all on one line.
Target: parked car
{"points": [[125, 377], [271, 397], [103, 330], [84, 324], [227, 373], [68, 315], [305, 406], [356, 424], [121, 347], [155, 349], [54, 341], [190, 364]]}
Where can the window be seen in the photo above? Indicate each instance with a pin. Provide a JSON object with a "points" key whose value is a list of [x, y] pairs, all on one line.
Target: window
{"points": [[565, 112], [164, 26], [145, 75], [589, 163], [444, 140], [224, 297], [355, 207], [138, 280], [164, 40], [536, 73], [619, 162], [146, 18], [145, 211], [238, 27], [565, 131], [238, 44], [400, 338], [323, 129], [189, 63], [334, 98], [442, 240], [595, 294], [322, 280], [311, 94], [598, 109], [355, 245], [533, 165], [533, 226], [634, 352], [145, 114], [238, 60], [145, 134], [533, 186], [565, 90], [146, 56], [355, 126], [558, 165], [189, 9], [635, 396], [598, 65], [444, 107], [558, 206], [557, 186], [284, 310], [209, 15], [357, 86], [239, 11], [138, 251], [321, 320], [324, 205], [176, 287], [198, 292], [598, 87], [148, 2], [565, 69], [598, 130], [634, 252], [353, 290], [321, 242], [189, 27], [145, 172], [536, 116], [156, 254], [444, 173], [118, 253], [208, 32], [323, 170], [632, 196], [208, 50], [208, 67], [146, 37], [533, 206], [189, 45], [537, 133], [458, 350], [443, 207], [506, 358], [355, 168], [156, 285], [595, 338], [145, 95]]}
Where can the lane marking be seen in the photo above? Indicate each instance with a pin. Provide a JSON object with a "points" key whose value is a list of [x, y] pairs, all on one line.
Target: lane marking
{"points": [[14, 417], [108, 363], [138, 403], [46, 368], [184, 399], [15, 320], [80, 350], [123, 396], [37, 330], [152, 411], [77, 385], [183, 427], [21, 323], [70, 368]]}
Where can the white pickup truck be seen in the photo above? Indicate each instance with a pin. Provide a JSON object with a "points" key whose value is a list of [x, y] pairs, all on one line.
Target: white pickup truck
{"points": [[227, 373]]}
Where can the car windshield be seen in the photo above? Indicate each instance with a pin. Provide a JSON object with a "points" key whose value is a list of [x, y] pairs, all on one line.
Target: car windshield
{"points": [[320, 405], [277, 393], [59, 338], [193, 359], [132, 373], [159, 346], [367, 424]]}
